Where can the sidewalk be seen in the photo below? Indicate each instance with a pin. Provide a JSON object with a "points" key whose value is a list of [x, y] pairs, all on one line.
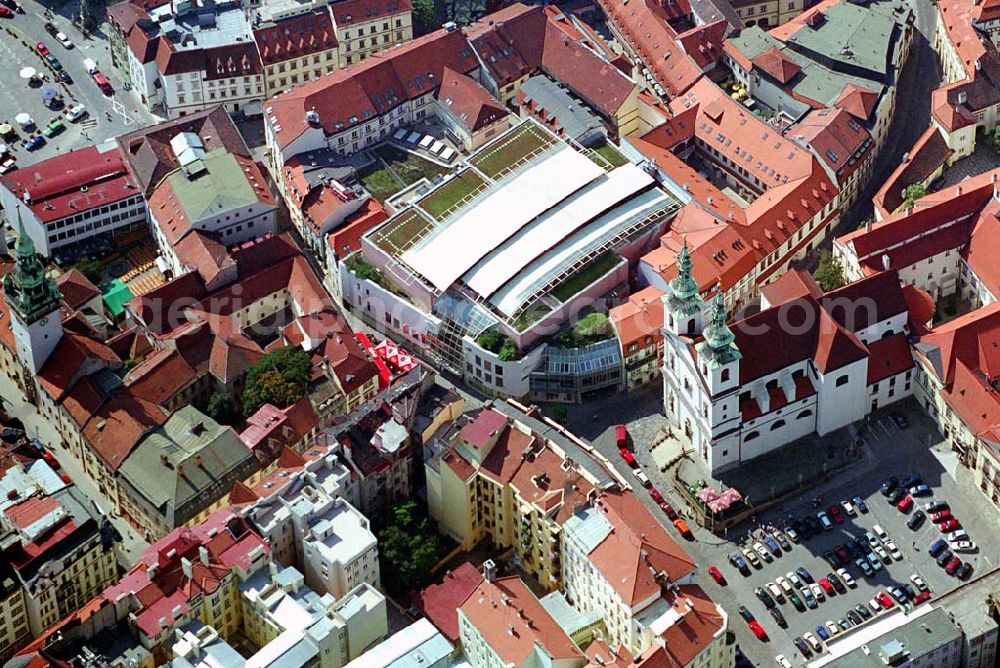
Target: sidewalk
{"points": [[36, 426]]}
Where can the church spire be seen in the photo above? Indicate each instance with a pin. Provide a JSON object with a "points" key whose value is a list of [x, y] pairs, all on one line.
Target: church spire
{"points": [[719, 347], [684, 299], [29, 289]]}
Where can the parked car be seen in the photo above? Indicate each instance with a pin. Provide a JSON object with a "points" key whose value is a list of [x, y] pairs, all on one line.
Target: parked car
{"points": [[944, 558], [624, 452], [817, 591], [899, 419], [77, 112], [893, 551], [717, 575], [655, 495], [775, 591], [683, 528], [925, 595], [802, 646], [849, 508], [897, 495], [41, 49], [54, 127], [825, 520], [669, 511], [854, 617], [796, 601], [861, 505], [831, 558], [827, 587], [941, 516], [963, 546], [779, 618], [952, 566], [780, 537], [836, 513], [752, 558], [897, 594], [864, 566], [804, 574], [958, 535], [641, 477], [918, 582], [746, 614], [949, 525], [64, 40], [905, 505], [916, 519], [772, 545], [836, 582], [847, 578], [964, 571], [34, 143], [758, 630], [843, 554], [889, 485], [884, 600], [762, 551], [813, 643], [822, 632], [862, 611], [782, 661], [6, 13], [910, 481], [792, 534], [810, 600], [50, 28], [875, 561], [738, 562], [783, 583], [937, 547], [764, 597], [920, 490], [621, 436]]}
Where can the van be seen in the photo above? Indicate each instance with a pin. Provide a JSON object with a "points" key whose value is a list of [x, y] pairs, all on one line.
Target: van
{"points": [[621, 436], [102, 83], [90, 66]]}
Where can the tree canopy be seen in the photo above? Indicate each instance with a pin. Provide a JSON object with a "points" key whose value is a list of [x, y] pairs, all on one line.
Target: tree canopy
{"points": [[829, 274], [409, 547], [280, 377], [913, 192]]}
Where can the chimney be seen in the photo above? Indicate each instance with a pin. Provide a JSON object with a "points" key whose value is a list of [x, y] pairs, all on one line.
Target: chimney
{"points": [[151, 571], [164, 460], [186, 567], [868, 225], [885, 261], [203, 554], [958, 190], [489, 570], [197, 460], [180, 470]]}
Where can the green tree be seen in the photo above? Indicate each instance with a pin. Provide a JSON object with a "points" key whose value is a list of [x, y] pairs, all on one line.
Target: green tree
{"points": [[221, 408], [280, 377], [426, 16], [86, 16], [829, 274], [559, 412], [912, 193], [409, 547], [90, 268]]}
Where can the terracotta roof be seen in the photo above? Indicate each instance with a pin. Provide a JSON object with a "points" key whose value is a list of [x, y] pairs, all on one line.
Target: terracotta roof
{"points": [[349, 12], [929, 153], [73, 356], [972, 340], [383, 81], [640, 317], [699, 621], [888, 357], [76, 288], [71, 183], [483, 427], [440, 601], [776, 64], [704, 42], [148, 153], [470, 103], [858, 101], [793, 284], [514, 623], [636, 549], [984, 240], [119, 424], [347, 238], [296, 37], [837, 139], [204, 254]]}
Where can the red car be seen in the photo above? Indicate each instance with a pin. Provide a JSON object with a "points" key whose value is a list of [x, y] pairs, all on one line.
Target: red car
{"points": [[884, 600], [836, 514], [905, 504], [717, 575], [921, 597], [843, 554], [42, 49], [669, 510], [827, 587], [758, 630], [627, 456], [952, 565], [949, 525], [941, 516], [621, 436], [6, 13], [656, 496]]}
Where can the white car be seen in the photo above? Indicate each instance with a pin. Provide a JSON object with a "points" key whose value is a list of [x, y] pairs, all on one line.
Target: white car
{"points": [[76, 113], [782, 661], [882, 554], [846, 577], [751, 557], [963, 546], [958, 535], [849, 508], [918, 582], [775, 591], [8, 165], [817, 592], [875, 606], [641, 477], [762, 551], [783, 583], [815, 644], [832, 626], [792, 534], [881, 533], [793, 578], [64, 40], [894, 551]]}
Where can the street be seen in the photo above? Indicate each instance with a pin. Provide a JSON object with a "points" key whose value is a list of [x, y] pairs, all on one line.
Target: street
{"points": [[107, 116], [36, 426]]}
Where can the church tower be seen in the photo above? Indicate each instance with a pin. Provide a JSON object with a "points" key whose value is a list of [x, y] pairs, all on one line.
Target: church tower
{"points": [[718, 352], [683, 305], [34, 300]]}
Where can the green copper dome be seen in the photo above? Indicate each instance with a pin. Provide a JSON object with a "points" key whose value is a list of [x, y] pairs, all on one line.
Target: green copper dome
{"points": [[719, 347], [29, 289]]}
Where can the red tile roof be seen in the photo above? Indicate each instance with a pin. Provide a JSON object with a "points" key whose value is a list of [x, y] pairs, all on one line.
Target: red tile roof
{"points": [[470, 103], [704, 42], [699, 622], [637, 549], [118, 425], [638, 318], [383, 81], [440, 602], [858, 101], [347, 238], [793, 284], [514, 623], [888, 357], [930, 153], [842, 143], [972, 340], [483, 427], [349, 12], [71, 183], [775, 63], [296, 37], [70, 359]]}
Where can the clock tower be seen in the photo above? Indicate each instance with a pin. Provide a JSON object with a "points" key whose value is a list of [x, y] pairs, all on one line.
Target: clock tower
{"points": [[34, 300]]}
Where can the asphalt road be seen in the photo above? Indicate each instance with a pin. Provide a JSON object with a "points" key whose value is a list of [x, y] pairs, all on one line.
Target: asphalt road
{"points": [[108, 116]]}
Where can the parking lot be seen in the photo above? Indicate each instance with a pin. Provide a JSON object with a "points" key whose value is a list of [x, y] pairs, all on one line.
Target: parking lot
{"points": [[107, 117], [889, 450]]}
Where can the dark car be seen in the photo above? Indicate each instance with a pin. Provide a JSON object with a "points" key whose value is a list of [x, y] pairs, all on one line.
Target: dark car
{"points": [[778, 617], [864, 567], [937, 546], [862, 545], [899, 419], [804, 574], [952, 566], [964, 571], [896, 496], [815, 525], [889, 485], [801, 645], [785, 545], [772, 545], [764, 597], [739, 563], [64, 77], [854, 617], [916, 520], [796, 601], [34, 143], [860, 504], [837, 583], [910, 480], [910, 592], [843, 554], [50, 28], [944, 557], [863, 611], [746, 614], [831, 558]]}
